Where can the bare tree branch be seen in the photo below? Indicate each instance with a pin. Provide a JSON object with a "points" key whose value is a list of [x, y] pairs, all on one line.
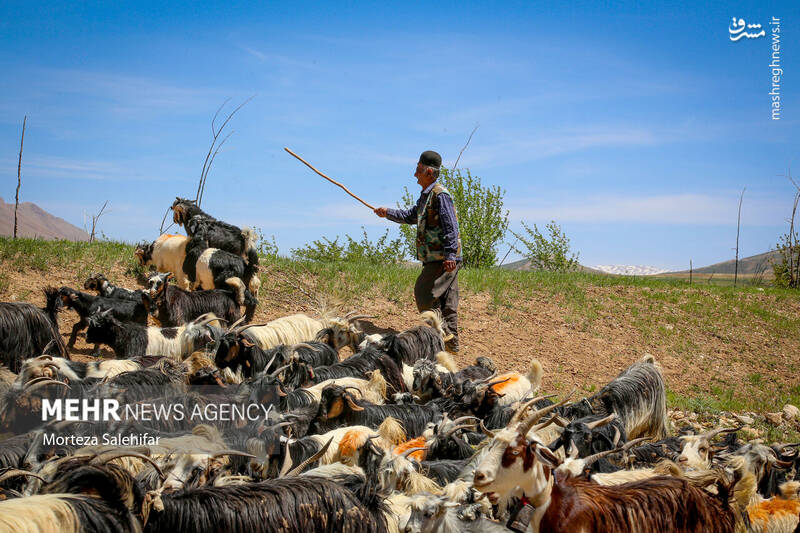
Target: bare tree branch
{"points": [[465, 147], [19, 174], [738, 224], [95, 218], [215, 133]]}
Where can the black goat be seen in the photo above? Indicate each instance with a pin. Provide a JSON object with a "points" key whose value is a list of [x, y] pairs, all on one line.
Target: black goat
{"points": [[28, 331], [174, 306], [86, 305], [338, 408], [98, 282], [205, 231], [420, 342], [587, 436], [357, 366], [430, 383]]}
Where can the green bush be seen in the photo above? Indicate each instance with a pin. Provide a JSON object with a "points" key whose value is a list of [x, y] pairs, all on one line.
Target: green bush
{"points": [[481, 220], [551, 254], [382, 251]]}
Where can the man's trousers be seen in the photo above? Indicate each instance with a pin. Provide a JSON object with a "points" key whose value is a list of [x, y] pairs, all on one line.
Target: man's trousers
{"points": [[437, 289]]}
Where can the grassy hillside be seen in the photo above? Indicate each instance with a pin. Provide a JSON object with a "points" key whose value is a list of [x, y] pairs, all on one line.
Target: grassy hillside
{"points": [[722, 349]]}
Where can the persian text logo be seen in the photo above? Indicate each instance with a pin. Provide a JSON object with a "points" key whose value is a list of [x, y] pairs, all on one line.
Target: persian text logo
{"points": [[737, 30]]}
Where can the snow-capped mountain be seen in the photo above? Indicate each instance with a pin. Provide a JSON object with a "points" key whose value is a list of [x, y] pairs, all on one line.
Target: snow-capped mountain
{"points": [[630, 270]]}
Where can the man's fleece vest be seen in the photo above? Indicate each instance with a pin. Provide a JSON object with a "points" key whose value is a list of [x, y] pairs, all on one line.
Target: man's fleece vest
{"points": [[430, 235]]}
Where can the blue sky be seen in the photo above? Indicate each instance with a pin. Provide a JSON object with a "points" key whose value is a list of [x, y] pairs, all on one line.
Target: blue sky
{"points": [[635, 127]]}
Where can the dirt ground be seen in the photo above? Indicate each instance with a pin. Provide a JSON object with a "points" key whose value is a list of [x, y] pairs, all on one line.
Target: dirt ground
{"points": [[571, 355]]}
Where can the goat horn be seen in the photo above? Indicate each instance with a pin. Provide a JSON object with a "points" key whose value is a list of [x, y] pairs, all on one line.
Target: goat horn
{"points": [[599, 455], [498, 382], [526, 425], [235, 324], [232, 452], [524, 407], [14, 472], [541, 426], [39, 384], [281, 424], [208, 317], [783, 464], [456, 428], [279, 370], [409, 451], [271, 360], [714, 432], [463, 418], [103, 458], [485, 431], [299, 468], [484, 380], [302, 345], [602, 422], [45, 357], [242, 329], [287, 462], [359, 317], [48, 346]]}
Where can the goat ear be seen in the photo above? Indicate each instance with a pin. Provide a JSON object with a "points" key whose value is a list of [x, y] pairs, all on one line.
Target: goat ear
{"points": [[545, 455], [168, 276], [247, 343]]}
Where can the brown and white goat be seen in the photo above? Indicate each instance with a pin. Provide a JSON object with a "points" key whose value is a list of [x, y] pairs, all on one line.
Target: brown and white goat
{"points": [[516, 465], [166, 254]]}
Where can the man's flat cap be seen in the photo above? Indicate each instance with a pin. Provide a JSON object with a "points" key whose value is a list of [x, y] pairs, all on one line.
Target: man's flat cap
{"points": [[431, 159]]}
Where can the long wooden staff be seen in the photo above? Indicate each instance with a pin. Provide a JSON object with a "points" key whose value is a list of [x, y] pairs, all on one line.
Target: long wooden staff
{"points": [[329, 179]]}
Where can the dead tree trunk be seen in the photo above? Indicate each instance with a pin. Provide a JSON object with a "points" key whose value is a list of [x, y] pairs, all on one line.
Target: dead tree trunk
{"points": [[95, 218], [19, 174], [738, 224]]}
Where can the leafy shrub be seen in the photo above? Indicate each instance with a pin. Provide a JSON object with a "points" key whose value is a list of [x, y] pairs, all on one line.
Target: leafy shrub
{"points": [[381, 251], [481, 220], [551, 254]]}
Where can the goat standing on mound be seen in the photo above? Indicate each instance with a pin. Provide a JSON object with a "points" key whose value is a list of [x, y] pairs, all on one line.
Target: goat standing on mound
{"points": [[206, 231], [173, 306]]}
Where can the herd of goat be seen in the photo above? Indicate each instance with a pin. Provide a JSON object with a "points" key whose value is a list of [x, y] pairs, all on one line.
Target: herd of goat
{"points": [[393, 438]]}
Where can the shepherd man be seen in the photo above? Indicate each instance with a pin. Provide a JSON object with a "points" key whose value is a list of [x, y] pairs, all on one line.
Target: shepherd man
{"points": [[438, 244]]}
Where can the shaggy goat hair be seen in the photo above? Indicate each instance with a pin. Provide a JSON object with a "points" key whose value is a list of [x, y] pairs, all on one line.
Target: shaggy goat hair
{"points": [[173, 306], [590, 435], [298, 505], [98, 282], [28, 331], [87, 305], [638, 397], [420, 342]]}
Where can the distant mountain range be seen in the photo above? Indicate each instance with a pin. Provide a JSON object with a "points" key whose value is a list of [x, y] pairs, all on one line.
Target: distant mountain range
{"points": [[630, 270], [755, 264], [33, 221]]}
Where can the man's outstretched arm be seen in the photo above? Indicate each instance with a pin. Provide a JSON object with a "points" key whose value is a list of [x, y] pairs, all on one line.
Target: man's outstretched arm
{"points": [[401, 216]]}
